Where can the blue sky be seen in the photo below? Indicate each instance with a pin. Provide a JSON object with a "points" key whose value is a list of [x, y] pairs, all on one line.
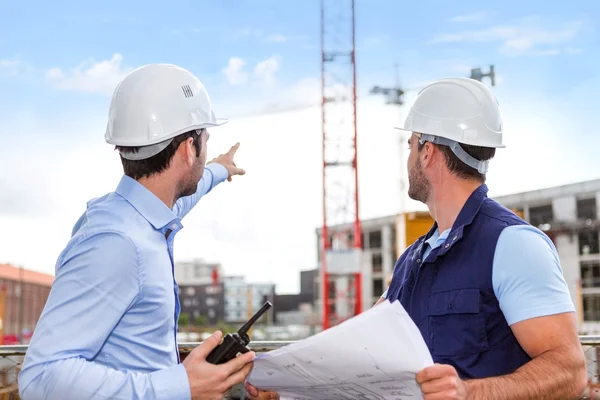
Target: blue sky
{"points": [[59, 62], [545, 48]]}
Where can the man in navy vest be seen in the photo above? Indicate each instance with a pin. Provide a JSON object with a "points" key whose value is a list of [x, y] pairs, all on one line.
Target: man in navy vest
{"points": [[485, 288]]}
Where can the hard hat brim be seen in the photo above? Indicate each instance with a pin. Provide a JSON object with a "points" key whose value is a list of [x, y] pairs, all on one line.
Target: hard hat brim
{"points": [[215, 123], [495, 146]]}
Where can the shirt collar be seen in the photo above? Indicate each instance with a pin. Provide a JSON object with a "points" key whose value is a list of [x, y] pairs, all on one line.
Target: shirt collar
{"points": [[145, 202], [437, 238]]}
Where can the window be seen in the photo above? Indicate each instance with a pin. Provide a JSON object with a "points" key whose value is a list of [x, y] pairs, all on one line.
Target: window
{"points": [[591, 307], [588, 242], [541, 215], [190, 291], [377, 262], [212, 289], [586, 208], [211, 301], [375, 240], [187, 302], [377, 287], [590, 274]]}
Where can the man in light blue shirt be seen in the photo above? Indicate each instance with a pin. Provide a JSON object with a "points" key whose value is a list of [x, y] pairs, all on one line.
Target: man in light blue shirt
{"points": [[108, 330]]}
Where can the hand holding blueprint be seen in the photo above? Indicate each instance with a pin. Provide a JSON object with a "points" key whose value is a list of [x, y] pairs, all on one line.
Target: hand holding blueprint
{"points": [[373, 356]]}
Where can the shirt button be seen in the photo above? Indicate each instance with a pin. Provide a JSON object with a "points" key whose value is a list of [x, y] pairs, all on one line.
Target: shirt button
{"points": [[454, 238], [174, 226], [419, 261], [447, 245], [450, 306]]}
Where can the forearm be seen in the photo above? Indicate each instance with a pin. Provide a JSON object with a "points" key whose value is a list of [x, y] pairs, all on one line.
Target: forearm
{"points": [[76, 378], [556, 374]]}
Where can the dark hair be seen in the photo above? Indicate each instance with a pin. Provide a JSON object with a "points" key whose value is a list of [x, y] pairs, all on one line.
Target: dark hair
{"points": [[459, 168], [137, 169]]}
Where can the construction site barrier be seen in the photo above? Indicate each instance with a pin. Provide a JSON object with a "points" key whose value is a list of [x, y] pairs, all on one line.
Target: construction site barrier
{"points": [[11, 358]]}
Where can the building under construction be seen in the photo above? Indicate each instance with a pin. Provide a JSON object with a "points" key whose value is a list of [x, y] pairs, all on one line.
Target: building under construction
{"points": [[567, 214]]}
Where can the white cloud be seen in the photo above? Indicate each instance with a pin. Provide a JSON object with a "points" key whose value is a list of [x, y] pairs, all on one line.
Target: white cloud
{"points": [[573, 50], [265, 71], [263, 74], [90, 76], [234, 71], [473, 17], [13, 67], [276, 38], [526, 37]]}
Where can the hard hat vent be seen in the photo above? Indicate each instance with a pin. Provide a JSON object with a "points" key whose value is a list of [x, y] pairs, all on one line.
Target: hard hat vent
{"points": [[187, 91]]}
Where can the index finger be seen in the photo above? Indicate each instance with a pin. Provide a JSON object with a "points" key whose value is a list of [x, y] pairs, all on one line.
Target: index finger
{"points": [[239, 362], [234, 148]]}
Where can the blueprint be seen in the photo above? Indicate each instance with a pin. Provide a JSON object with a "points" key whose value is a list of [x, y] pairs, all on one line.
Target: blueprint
{"points": [[373, 356]]}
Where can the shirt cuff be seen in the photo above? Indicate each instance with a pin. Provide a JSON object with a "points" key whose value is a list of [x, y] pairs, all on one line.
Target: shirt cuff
{"points": [[218, 171], [171, 383]]}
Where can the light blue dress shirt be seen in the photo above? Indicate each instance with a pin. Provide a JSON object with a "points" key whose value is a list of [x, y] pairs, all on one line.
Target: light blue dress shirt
{"points": [[108, 328], [526, 274]]}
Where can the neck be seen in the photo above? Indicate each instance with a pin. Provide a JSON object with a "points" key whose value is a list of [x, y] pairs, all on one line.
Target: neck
{"points": [[447, 199], [162, 187]]}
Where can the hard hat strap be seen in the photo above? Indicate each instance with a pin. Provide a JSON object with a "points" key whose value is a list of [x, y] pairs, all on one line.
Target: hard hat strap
{"points": [[479, 165], [145, 152]]}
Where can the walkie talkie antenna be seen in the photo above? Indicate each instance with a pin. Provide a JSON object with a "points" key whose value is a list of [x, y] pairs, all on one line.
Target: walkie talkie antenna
{"points": [[243, 331]]}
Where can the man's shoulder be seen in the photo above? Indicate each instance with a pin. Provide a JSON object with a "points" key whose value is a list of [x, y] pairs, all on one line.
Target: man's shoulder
{"points": [[526, 238], [108, 213], [500, 214]]}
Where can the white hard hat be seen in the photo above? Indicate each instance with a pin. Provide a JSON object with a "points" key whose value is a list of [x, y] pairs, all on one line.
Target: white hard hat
{"points": [[155, 103], [455, 111]]}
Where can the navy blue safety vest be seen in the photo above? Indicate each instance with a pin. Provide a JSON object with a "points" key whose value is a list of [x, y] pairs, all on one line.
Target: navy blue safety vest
{"points": [[450, 297]]}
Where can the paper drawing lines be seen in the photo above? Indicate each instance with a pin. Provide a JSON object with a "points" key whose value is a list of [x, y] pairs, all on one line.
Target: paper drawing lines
{"points": [[301, 373], [377, 367]]}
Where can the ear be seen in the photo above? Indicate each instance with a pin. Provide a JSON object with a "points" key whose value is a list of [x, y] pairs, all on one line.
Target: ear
{"points": [[427, 154], [187, 152]]}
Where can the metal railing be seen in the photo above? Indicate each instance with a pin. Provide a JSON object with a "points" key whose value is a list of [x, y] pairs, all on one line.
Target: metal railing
{"points": [[11, 358]]}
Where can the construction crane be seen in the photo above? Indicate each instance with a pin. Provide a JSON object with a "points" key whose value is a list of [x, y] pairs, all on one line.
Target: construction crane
{"points": [[340, 251]]}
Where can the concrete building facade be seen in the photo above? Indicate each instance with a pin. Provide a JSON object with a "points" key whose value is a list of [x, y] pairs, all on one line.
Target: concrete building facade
{"points": [[243, 299], [203, 304], [569, 215], [197, 272]]}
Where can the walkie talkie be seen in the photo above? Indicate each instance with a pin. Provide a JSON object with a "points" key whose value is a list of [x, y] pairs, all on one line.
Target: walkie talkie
{"points": [[236, 343]]}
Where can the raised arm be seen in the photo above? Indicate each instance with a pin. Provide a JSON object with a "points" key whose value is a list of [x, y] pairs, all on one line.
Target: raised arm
{"points": [[218, 170], [95, 285]]}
